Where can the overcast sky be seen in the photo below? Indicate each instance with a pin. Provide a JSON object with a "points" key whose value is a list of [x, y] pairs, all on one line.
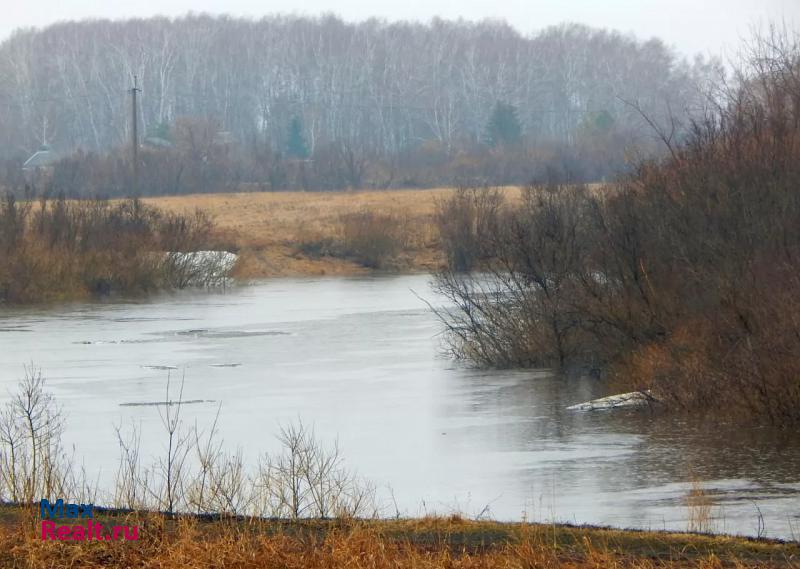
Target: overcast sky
{"points": [[706, 26]]}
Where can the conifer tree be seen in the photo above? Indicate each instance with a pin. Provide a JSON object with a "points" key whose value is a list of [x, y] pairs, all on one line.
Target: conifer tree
{"points": [[296, 143], [503, 128]]}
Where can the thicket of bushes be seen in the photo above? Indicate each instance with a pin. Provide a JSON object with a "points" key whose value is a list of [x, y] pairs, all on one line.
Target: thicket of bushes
{"points": [[371, 239], [199, 163], [683, 278], [54, 249], [195, 474]]}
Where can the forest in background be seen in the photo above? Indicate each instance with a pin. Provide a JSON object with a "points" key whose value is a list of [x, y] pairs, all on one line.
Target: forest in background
{"points": [[319, 104]]}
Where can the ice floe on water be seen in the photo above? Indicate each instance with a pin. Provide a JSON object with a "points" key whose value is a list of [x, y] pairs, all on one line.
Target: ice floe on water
{"points": [[172, 368], [165, 403], [223, 333], [621, 400], [170, 318], [191, 334]]}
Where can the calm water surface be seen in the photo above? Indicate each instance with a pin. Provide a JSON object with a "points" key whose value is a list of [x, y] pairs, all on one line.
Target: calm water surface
{"points": [[360, 359]]}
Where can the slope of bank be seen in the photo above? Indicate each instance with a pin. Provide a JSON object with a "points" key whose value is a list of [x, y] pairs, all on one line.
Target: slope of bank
{"points": [[426, 542]]}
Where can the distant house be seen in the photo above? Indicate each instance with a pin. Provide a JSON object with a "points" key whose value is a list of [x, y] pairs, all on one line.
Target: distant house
{"points": [[39, 166], [41, 160]]}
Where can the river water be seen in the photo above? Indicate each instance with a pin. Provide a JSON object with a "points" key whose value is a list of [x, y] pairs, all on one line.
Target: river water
{"points": [[361, 359]]}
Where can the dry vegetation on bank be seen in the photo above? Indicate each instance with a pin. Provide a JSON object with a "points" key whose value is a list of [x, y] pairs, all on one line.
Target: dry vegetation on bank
{"points": [[682, 279], [58, 249], [423, 543]]}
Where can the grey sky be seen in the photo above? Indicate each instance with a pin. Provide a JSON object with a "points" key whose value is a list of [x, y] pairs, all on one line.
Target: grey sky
{"points": [[706, 26]]}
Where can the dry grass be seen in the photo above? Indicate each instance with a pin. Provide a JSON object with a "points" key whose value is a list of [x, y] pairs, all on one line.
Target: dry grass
{"points": [[54, 250], [424, 543], [277, 231], [699, 505]]}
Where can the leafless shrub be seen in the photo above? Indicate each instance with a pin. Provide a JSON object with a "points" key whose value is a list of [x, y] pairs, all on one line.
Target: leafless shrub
{"points": [[521, 309], [32, 461], [131, 483], [373, 239], [195, 474], [308, 480], [468, 223], [220, 483], [198, 268]]}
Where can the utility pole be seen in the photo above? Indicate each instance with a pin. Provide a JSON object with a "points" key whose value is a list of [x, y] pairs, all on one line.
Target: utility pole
{"points": [[135, 137]]}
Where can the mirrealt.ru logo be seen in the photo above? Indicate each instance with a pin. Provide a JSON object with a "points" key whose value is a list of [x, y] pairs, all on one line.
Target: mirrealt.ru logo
{"points": [[87, 532]]}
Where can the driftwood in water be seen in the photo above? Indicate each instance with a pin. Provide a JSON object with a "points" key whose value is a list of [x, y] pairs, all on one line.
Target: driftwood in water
{"points": [[632, 399]]}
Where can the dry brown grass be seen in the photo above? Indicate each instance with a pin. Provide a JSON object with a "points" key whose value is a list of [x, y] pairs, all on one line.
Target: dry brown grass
{"points": [[425, 543], [700, 505], [275, 230], [54, 250]]}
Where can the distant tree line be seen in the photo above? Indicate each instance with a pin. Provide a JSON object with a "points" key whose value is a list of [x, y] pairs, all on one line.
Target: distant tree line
{"points": [[317, 103]]}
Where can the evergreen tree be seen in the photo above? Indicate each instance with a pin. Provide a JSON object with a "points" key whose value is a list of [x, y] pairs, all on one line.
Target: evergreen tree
{"points": [[503, 128], [296, 144], [597, 124]]}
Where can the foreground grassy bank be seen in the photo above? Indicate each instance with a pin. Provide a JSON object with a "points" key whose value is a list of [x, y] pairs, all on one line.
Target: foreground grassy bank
{"points": [[317, 233], [426, 542]]}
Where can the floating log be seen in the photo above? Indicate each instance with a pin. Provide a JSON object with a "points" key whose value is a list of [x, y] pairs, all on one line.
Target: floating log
{"points": [[632, 399]]}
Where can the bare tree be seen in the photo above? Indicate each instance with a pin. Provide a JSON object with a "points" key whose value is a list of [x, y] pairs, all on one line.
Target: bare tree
{"points": [[32, 461]]}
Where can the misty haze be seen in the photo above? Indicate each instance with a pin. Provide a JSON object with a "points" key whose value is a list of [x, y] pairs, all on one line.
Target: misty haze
{"points": [[413, 285]]}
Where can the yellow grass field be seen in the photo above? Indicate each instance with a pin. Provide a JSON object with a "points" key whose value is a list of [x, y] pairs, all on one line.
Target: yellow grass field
{"points": [[274, 231], [270, 227]]}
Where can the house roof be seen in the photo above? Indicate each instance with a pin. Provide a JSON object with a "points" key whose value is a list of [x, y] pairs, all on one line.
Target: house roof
{"points": [[41, 158]]}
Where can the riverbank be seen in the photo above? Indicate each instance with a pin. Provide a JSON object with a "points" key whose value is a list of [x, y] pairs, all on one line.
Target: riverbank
{"points": [[325, 233], [55, 250], [425, 542]]}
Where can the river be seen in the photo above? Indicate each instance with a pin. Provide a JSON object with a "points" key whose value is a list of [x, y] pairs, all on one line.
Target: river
{"points": [[361, 359]]}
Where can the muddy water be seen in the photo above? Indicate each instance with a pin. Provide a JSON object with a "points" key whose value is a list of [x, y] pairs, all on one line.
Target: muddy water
{"points": [[360, 359]]}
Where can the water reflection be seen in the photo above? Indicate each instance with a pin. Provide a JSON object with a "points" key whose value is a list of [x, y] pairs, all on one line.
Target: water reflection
{"points": [[633, 467]]}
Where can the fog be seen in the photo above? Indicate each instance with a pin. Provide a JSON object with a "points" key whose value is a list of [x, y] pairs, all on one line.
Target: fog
{"points": [[712, 26]]}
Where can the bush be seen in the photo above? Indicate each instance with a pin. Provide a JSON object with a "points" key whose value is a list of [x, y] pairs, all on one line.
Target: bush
{"points": [[58, 249], [468, 223], [372, 239], [518, 310]]}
